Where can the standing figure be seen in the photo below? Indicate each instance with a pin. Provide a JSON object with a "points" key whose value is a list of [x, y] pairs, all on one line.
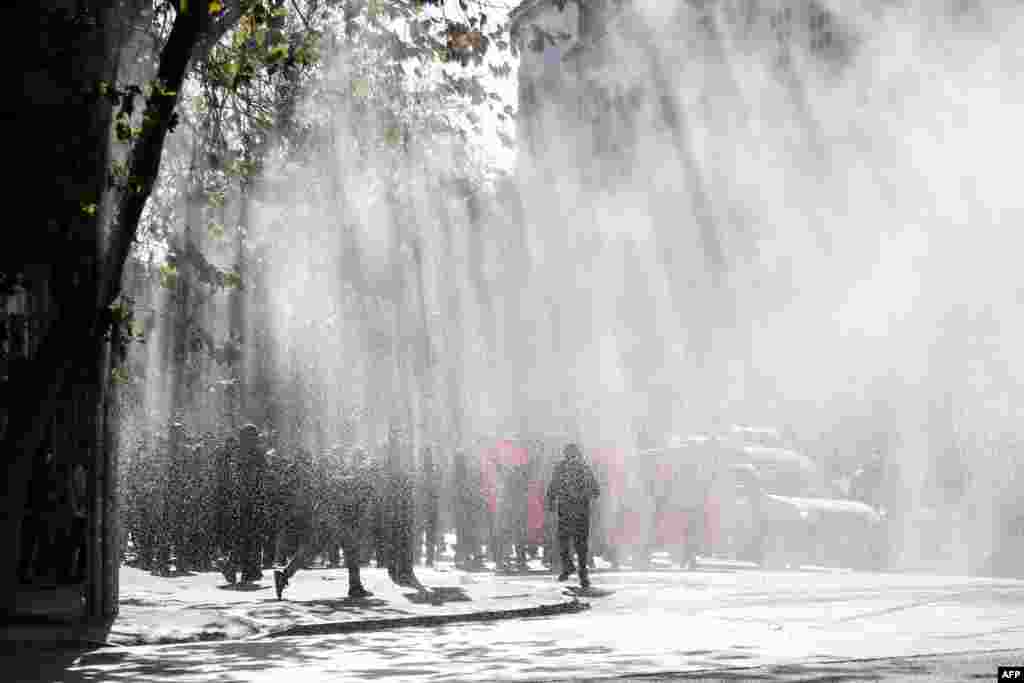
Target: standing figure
{"points": [[469, 505], [346, 512], [37, 538], [76, 562], [249, 528], [399, 515], [512, 509], [225, 503], [428, 495], [573, 486]]}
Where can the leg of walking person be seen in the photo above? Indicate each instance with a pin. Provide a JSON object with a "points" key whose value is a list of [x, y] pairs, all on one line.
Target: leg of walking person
{"points": [[309, 532], [565, 537], [300, 560], [581, 539], [351, 546], [431, 541]]}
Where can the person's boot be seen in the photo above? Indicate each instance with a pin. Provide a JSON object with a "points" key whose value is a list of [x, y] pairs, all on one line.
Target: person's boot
{"points": [[252, 576], [280, 582], [357, 591], [407, 579], [229, 574]]}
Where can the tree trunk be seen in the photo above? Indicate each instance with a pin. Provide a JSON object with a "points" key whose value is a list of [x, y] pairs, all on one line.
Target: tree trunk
{"points": [[68, 128], [66, 56]]}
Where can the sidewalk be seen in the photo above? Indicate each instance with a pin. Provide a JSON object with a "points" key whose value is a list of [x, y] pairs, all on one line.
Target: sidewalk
{"points": [[202, 607]]}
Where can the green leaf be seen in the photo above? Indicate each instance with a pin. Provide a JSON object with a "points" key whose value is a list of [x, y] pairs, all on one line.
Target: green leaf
{"points": [[121, 375], [136, 328], [120, 312], [215, 198], [232, 279], [360, 88], [157, 87], [393, 135], [89, 209], [216, 7], [168, 275], [277, 53], [216, 230], [123, 128]]}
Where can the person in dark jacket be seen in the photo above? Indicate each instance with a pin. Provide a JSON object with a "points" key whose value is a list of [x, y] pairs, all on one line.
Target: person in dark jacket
{"points": [[428, 506], [347, 511], [573, 485], [252, 470]]}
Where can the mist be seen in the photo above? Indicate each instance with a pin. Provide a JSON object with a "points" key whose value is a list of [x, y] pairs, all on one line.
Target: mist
{"points": [[720, 213]]}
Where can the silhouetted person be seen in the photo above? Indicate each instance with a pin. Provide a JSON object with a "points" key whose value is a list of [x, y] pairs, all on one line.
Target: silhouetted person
{"points": [[511, 523], [346, 513], [468, 511], [73, 566], [36, 537], [296, 493], [573, 485], [429, 509], [248, 534], [225, 516], [399, 515]]}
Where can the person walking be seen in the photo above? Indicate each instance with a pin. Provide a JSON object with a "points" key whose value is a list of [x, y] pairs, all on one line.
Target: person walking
{"points": [[348, 512], [428, 504], [573, 485], [469, 509], [252, 469]]}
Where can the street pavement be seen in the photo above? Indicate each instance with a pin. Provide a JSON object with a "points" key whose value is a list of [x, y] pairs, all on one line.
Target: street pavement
{"points": [[716, 623]]}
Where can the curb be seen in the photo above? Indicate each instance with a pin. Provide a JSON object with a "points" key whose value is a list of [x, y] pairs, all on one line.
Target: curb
{"points": [[364, 625]]}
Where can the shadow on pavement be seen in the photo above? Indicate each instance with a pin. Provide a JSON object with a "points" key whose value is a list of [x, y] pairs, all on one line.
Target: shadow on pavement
{"points": [[839, 672], [449, 650], [465, 652], [232, 659], [244, 587], [438, 595], [353, 606], [32, 663], [367, 625]]}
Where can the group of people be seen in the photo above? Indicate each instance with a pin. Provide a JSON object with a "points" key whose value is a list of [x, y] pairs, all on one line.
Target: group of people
{"points": [[352, 510], [248, 503]]}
